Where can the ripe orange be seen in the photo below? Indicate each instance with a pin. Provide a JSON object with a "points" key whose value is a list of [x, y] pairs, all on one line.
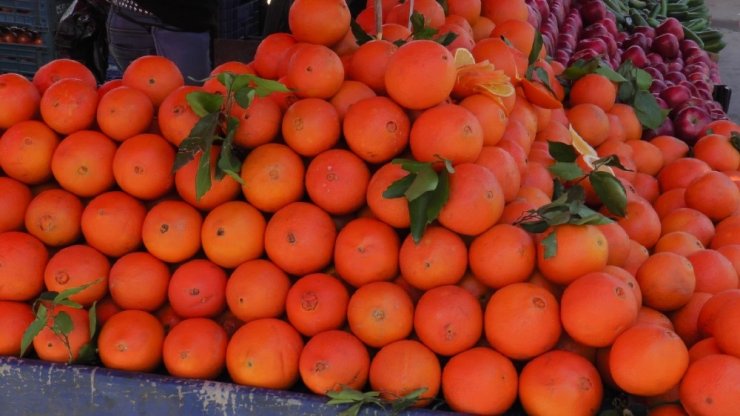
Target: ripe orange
{"points": [[19, 100], [594, 89], [671, 147], [580, 250], [257, 289], [60, 69], [175, 117], [15, 198], [723, 327], [710, 386], [124, 112], [448, 320], [691, 221], [713, 194], [323, 22], [686, 319], [315, 303], [405, 366], [502, 255], [142, 166], [348, 95], [502, 164], [273, 177], [131, 340], [171, 231], [469, 377], [82, 163], [51, 347], [641, 222], [628, 121], [26, 150], [562, 382], [336, 181], [221, 191], [439, 258], [53, 216], [522, 321], [667, 281], [258, 124], [134, 271], [269, 53], [197, 289], [369, 63], [78, 265], [69, 105], [311, 126], [332, 360], [195, 348], [111, 223], [679, 242], [681, 172], [647, 156], [392, 211], [156, 76], [376, 129], [233, 233], [448, 131], [314, 71], [714, 272], [717, 151], [15, 317], [434, 14], [366, 251], [379, 313], [591, 123], [475, 201], [420, 74], [264, 353]]}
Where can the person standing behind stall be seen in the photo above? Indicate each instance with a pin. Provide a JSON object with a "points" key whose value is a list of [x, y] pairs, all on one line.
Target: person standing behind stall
{"points": [[179, 30]]}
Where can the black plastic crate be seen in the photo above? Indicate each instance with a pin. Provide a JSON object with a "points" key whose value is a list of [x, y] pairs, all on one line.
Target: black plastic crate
{"points": [[240, 19], [38, 14], [23, 59]]}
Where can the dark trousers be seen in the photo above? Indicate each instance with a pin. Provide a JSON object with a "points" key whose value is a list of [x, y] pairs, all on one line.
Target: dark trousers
{"points": [[131, 35]]}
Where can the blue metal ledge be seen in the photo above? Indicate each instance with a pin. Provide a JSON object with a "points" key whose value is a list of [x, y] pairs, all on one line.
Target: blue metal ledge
{"points": [[32, 387]]}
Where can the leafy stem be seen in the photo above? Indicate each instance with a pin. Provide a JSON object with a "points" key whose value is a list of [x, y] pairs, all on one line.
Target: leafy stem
{"points": [[425, 189], [357, 399], [217, 126]]}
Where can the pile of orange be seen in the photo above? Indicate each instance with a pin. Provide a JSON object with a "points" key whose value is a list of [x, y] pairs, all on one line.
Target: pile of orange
{"points": [[306, 272]]}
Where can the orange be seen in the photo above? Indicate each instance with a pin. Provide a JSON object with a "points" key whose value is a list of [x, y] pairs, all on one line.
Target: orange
{"points": [[336, 180], [562, 382], [392, 211], [195, 348], [19, 98], [366, 251], [679, 242], [257, 289], [495, 51], [376, 129], [469, 377], [594, 89], [131, 340], [60, 69], [617, 241], [502, 255], [686, 319], [448, 320], [714, 272], [315, 303], [670, 200], [156, 76], [522, 321], [111, 223], [438, 259], [269, 53], [629, 279], [707, 346], [717, 151], [647, 156], [142, 166], [78, 265], [503, 165], [348, 95], [519, 33], [124, 112], [475, 200], [299, 238], [723, 127], [500, 11], [51, 347], [333, 360], [15, 317], [470, 10], [323, 22], [109, 85], [134, 271], [264, 353], [641, 222], [420, 74], [448, 131], [221, 190], [175, 117], [26, 150], [379, 313], [171, 231], [83, 163], [628, 120], [732, 253], [709, 312], [69, 105], [648, 360], [723, 330], [53, 216], [580, 250], [314, 71], [493, 118], [369, 63], [233, 233], [273, 177], [710, 386], [15, 198], [646, 186], [591, 123], [197, 289], [671, 147], [691, 221], [434, 14], [714, 194], [726, 232], [258, 124], [311, 126], [402, 367], [667, 281], [213, 85], [681, 172]]}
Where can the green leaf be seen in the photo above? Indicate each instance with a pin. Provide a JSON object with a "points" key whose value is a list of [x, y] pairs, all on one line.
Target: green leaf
{"points": [[580, 68], [647, 110], [265, 87], [534, 227], [65, 294], [594, 219], [418, 216], [566, 171], [507, 41], [242, 82], [562, 152], [439, 197], [203, 103], [426, 180], [63, 323], [610, 74], [92, 317], [200, 136], [34, 328], [536, 48], [69, 303], [551, 244], [611, 160], [226, 79], [398, 188], [203, 174], [419, 28], [360, 35], [410, 165], [48, 295], [244, 97], [406, 401], [86, 354], [734, 139], [556, 214], [544, 78], [447, 38], [228, 163], [610, 191], [626, 92], [643, 79]]}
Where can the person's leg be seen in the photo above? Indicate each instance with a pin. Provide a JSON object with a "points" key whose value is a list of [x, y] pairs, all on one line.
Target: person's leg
{"points": [[189, 50], [128, 39]]}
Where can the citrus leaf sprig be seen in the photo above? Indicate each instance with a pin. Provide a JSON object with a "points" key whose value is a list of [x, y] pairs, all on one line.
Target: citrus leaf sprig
{"points": [[425, 189], [417, 26], [569, 197], [217, 126], [62, 325], [358, 399]]}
